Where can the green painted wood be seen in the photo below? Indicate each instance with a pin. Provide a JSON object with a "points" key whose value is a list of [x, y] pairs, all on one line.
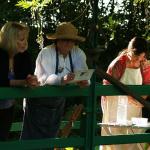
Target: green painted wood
{"points": [[88, 140], [16, 126], [111, 90], [93, 104], [43, 91], [49, 91], [122, 139], [39, 144]]}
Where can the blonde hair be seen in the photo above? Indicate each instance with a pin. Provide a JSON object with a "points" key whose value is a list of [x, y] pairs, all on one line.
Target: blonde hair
{"points": [[9, 34]]}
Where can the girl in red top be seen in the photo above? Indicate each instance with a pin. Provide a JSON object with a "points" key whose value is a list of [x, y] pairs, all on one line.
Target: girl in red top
{"points": [[128, 69]]}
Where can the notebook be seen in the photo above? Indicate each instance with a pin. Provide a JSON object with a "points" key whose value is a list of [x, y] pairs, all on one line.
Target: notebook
{"points": [[82, 75]]}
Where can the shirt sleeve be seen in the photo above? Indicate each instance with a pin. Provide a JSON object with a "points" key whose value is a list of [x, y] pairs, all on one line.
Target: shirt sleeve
{"points": [[116, 68], [79, 60]]}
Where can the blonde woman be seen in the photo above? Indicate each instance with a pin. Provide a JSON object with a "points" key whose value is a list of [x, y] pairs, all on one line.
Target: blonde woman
{"points": [[15, 68]]}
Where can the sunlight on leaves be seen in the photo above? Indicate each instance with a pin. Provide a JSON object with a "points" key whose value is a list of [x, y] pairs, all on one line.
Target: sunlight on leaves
{"points": [[140, 1], [36, 7]]}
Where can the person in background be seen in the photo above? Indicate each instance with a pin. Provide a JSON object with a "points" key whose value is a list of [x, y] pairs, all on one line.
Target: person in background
{"points": [[55, 65], [15, 68], [128, 69]]}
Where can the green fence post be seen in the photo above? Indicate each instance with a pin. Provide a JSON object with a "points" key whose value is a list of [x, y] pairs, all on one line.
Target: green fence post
{"points": [[89, 124], [84, 128], [94, 111]]}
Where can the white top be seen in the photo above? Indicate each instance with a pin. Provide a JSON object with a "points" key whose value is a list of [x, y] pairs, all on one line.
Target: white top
{"points": [[46, 64], [132, 76]]}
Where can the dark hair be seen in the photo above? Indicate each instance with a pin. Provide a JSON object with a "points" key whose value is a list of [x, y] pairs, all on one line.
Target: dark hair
{"points": [[138, 45]]}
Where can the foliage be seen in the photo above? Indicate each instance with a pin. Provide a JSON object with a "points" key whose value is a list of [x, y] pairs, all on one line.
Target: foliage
{"points": [[117, 28], [111, 26], [36, 7], [140, 1]]}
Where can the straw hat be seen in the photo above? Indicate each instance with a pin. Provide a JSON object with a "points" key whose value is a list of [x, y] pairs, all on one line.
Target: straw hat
{"points": [[66, 30]]}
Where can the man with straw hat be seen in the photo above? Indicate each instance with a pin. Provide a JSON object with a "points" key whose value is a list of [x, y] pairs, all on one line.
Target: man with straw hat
{"points": [[55, 65]]}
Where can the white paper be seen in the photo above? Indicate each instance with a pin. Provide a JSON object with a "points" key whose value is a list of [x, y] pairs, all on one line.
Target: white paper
{"points": [[139, 121], [82, 75]]}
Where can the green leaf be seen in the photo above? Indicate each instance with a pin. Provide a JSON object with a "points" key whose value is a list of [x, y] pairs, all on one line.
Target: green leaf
{"points": [[139, 1], [24, 4]]}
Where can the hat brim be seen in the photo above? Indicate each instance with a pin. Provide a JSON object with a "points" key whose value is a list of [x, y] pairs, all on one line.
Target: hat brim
{"points": [[67, 37]]}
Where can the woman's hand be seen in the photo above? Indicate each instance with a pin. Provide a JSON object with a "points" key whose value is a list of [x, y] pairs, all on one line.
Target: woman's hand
{"points": [[83, 83], [67, 78], [32, 81]]}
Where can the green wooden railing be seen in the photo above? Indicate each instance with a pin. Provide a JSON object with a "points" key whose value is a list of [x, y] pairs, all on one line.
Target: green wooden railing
{"points": [[88, 138]]}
